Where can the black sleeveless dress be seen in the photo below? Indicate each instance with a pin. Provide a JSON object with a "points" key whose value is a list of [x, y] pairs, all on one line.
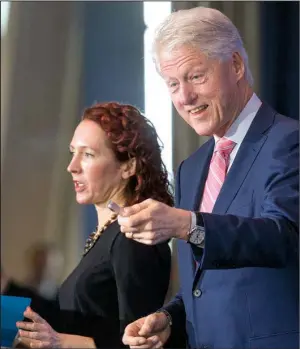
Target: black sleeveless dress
{"points": [[118, 281]]}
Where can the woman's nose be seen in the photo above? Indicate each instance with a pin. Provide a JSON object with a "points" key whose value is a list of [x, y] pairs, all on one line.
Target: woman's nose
{"points": [[74, 165]]}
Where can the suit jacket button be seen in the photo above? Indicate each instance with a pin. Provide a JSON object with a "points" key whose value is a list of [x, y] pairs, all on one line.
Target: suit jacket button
{"points": [[197, 293]]}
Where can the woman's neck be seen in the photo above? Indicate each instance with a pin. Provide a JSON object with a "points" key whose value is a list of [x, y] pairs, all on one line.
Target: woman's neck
{"points": [[104, 214]]}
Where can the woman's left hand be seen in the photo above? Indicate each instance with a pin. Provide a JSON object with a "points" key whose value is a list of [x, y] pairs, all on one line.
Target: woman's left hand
{"points": [[37, 334]]}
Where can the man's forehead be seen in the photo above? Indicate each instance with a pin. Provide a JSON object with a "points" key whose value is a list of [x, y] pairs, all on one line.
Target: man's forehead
{"points": [[182, 58], [186, 49]]}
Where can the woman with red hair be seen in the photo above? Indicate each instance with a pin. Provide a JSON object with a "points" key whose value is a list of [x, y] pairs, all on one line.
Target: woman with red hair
{"points": [[116, 156]]}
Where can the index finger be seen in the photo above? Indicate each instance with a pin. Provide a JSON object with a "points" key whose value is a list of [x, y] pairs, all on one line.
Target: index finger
{"points": [[137, 216], [148, 326], [131, 210], [133, 341], [30, 314], [29, 326]]}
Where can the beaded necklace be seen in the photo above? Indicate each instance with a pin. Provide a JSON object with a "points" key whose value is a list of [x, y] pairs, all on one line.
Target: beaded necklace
{"points": [[94, 236]]}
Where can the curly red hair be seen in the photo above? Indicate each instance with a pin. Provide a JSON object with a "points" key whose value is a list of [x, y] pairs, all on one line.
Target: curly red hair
{"points": [[131, 135]]}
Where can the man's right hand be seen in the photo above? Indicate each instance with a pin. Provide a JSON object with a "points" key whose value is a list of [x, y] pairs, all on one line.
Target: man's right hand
{"points": [[151, 331]]}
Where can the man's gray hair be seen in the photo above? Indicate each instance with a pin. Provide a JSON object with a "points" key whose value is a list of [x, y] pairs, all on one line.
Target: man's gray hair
{"points": [[203, 28]]}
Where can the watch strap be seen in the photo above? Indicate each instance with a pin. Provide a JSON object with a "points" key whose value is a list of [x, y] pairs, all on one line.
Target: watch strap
{"points": [[199, 219], [196, 219], [193, 220], [169, 317]]}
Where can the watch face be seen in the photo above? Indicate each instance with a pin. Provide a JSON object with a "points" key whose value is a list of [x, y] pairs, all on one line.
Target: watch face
{"points": [[197, 237]]}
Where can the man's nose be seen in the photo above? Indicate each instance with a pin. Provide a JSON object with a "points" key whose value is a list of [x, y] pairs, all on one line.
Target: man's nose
{"points": [[187, 95]]}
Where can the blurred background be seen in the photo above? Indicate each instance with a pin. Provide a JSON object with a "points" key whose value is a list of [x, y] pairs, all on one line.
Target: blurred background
{"points": [[58, 58]]}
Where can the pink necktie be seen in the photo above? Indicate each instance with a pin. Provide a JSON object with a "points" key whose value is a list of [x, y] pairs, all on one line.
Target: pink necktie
{"points": [[216, 174]]}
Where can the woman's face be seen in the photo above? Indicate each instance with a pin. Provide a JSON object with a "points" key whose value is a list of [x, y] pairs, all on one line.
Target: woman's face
{"points": [[98, 177]]}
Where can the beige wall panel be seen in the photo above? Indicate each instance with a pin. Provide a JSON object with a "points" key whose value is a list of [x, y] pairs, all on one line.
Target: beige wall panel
{"points": [[40, 115]]}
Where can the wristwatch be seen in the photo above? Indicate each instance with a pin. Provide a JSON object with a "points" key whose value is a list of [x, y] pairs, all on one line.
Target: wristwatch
{"points": [[168, 315], [196, 234]]}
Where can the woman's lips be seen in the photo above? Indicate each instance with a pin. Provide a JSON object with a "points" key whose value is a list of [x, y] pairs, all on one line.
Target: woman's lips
{"points": [[79, 187]]}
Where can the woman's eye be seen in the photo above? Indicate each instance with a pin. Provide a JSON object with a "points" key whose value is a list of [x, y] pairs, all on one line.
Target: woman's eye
{"points": [[89, 155]]}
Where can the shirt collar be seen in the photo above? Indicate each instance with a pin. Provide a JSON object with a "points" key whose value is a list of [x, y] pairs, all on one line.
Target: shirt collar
{"points": [[237, 131]]}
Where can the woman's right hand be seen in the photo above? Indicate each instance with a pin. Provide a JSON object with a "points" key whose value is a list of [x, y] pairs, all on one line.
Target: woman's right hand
{"points": [[151, 331], [37, 333]]}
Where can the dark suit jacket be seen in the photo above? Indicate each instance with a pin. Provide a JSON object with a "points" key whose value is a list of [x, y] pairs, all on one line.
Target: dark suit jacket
{"points": [[244, 294]]}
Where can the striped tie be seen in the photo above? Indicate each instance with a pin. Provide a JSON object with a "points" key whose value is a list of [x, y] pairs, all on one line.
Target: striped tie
{"points": [[216, 174]]}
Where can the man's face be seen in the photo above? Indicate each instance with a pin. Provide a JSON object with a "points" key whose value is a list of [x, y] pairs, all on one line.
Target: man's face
{"points": [[204, 91]]}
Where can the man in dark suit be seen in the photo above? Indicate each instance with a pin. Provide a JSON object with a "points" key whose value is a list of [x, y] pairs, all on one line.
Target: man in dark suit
{"points": [[237, 209]]}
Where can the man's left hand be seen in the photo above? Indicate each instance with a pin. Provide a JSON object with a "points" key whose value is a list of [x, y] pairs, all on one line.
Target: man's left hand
{"points": [[151, 222]]}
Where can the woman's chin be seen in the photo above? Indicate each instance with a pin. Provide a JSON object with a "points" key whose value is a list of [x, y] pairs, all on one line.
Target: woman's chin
{"points": [[83, 200]]}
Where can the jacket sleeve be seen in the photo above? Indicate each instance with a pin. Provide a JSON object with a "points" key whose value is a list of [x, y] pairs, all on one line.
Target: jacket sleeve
{"points": [[178, 333], [270, 240], [176, 306]]}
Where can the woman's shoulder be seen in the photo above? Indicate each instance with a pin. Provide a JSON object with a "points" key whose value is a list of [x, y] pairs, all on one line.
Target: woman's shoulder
{"points": [[138, 250]]}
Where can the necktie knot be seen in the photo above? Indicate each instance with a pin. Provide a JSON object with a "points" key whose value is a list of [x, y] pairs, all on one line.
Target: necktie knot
{"points": [[224, 146]]}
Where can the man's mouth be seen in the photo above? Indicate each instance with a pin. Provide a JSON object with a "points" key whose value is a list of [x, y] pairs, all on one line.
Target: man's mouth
{"points": [[198, 109]]}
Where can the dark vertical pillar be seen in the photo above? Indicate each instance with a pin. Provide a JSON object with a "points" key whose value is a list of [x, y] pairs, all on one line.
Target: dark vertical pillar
{"points": [[280, 56], [113, 61]]}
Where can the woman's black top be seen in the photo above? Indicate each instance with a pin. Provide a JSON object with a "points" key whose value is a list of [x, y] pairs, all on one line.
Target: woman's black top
{"points": [[118, 281]]}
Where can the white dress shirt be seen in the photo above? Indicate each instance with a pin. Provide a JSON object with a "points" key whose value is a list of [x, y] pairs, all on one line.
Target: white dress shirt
{"points": [[241, 125]]}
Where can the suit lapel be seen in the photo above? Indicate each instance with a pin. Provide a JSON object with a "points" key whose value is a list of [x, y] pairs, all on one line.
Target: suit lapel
{"points": [[195, 176], [248, 151], [201, 173], [192, 187]]}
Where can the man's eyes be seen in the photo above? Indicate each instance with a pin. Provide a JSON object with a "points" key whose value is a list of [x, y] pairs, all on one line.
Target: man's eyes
{"points": [[173, 84], [197, 76]]}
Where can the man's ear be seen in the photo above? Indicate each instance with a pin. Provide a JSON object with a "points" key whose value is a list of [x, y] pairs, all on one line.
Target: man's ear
{"points": [[238, 65], [129, 168]]}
